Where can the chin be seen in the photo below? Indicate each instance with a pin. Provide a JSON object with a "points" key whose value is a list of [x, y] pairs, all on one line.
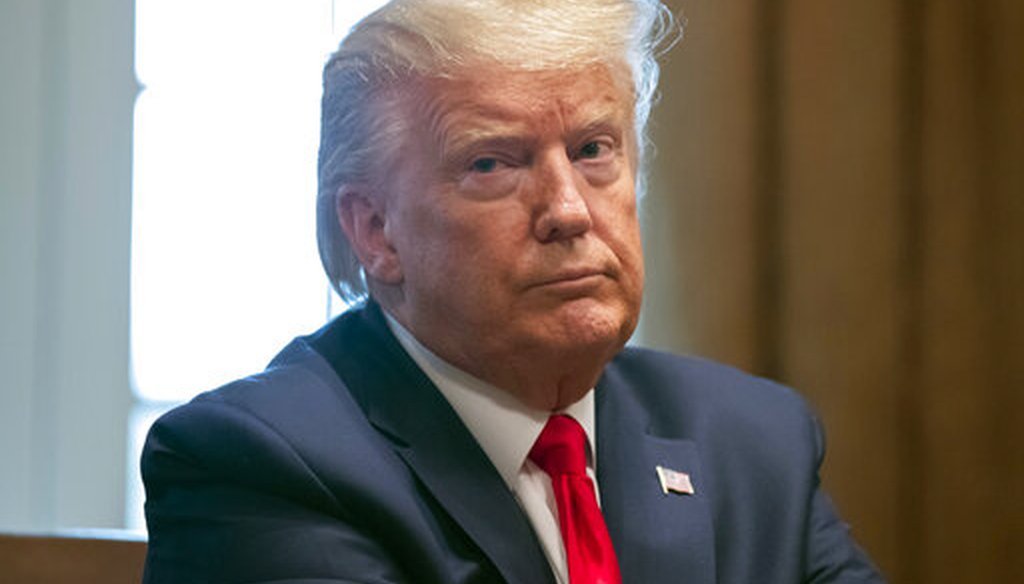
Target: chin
{"points": [[601, 327]]}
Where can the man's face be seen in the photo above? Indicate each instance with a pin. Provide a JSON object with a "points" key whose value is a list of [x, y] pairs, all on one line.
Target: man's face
{"points": [[513, 217]]}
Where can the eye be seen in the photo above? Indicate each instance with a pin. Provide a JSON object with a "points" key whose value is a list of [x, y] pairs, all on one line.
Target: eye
{"points": [[598, 159], [594, 149], [484, 165], [590, 150]]}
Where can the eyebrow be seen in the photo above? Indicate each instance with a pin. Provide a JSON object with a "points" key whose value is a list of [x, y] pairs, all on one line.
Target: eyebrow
{"points": [[609, 123], [484, 124], [494, 128], [459, 145]]}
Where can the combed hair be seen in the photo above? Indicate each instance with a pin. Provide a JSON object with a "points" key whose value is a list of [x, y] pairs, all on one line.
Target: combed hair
{"points": [[362, 125]]}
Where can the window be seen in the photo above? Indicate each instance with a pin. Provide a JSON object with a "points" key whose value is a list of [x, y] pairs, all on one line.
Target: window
{"points": [[225, 268]]}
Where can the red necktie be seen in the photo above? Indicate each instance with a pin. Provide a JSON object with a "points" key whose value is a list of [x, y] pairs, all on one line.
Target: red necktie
{"points": [[560, 452]]}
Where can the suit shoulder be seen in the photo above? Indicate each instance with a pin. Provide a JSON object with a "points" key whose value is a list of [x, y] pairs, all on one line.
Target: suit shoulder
{"points": [[668, 374], [708, 397], [259, 431]]}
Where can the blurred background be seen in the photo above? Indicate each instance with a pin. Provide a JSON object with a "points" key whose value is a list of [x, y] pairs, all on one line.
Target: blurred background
{"points": [[837, 201]]}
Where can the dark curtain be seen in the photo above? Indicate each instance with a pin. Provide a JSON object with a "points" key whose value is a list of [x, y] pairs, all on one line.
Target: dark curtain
{"points": [[837, 201]]}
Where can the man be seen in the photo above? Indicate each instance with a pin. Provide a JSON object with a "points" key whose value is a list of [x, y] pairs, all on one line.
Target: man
{"points": [[477, 419]]}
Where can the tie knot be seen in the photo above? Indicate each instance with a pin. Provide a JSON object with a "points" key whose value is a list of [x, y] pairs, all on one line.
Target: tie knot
{"points": [[561, 447]]}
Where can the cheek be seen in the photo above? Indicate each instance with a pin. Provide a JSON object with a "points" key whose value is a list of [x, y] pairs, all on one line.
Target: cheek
{"points": [[616, 216], [423, 250], [618, 226], [489, 230], [468, 250]]}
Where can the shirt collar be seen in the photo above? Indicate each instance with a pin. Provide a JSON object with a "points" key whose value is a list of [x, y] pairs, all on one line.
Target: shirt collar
{"points": [[505, 427]]}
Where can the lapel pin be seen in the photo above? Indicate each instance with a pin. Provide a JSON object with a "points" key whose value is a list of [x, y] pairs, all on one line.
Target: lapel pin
{"points": [[674, 481]]}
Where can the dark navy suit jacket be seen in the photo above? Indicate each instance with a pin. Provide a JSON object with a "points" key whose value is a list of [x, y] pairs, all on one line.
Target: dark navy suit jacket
{"points": [[343, 463]]}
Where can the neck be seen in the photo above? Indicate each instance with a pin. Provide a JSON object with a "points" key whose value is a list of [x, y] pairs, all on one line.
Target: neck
{"points": [[548, 382], [541, 380]]}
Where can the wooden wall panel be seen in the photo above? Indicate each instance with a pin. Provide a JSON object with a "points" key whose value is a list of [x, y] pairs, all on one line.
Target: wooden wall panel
{"points": [[70, 560]]}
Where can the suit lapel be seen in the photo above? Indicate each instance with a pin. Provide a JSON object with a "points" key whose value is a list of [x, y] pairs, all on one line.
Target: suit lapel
{"points": [[404, 405], [658, 537]]}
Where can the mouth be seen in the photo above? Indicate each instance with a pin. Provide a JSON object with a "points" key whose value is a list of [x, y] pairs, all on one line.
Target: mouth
{"points": [[573, 281]]}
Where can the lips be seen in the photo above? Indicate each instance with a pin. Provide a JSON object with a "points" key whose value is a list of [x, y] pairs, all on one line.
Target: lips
{"points": [[572, 277]]}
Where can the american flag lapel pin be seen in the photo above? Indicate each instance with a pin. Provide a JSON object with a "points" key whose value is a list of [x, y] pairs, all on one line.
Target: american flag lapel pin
{"points": [[674, 481]]}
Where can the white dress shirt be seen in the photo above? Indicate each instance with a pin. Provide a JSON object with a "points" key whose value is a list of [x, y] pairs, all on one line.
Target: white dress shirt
{"points": [[506, 429]]}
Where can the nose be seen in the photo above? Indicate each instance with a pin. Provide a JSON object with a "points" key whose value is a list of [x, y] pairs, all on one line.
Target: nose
{"points": [[561, 211]]}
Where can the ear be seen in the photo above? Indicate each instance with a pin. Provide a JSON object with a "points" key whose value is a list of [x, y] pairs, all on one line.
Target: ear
{"points": [[364, 222]]}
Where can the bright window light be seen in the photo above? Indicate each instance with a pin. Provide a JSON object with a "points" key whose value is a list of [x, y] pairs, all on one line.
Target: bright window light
{"points": [[224, 263], [225, 268]]}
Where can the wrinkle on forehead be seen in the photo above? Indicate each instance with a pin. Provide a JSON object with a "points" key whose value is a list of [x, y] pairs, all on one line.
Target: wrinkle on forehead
{"points": [[522, 105]]}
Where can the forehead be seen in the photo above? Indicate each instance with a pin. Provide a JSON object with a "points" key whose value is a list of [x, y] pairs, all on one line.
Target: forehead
{"points": [[483, 102]]}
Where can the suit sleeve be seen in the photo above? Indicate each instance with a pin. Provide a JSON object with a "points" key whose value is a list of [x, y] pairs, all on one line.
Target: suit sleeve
{"points": [[833, 557], [229, 501]]}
